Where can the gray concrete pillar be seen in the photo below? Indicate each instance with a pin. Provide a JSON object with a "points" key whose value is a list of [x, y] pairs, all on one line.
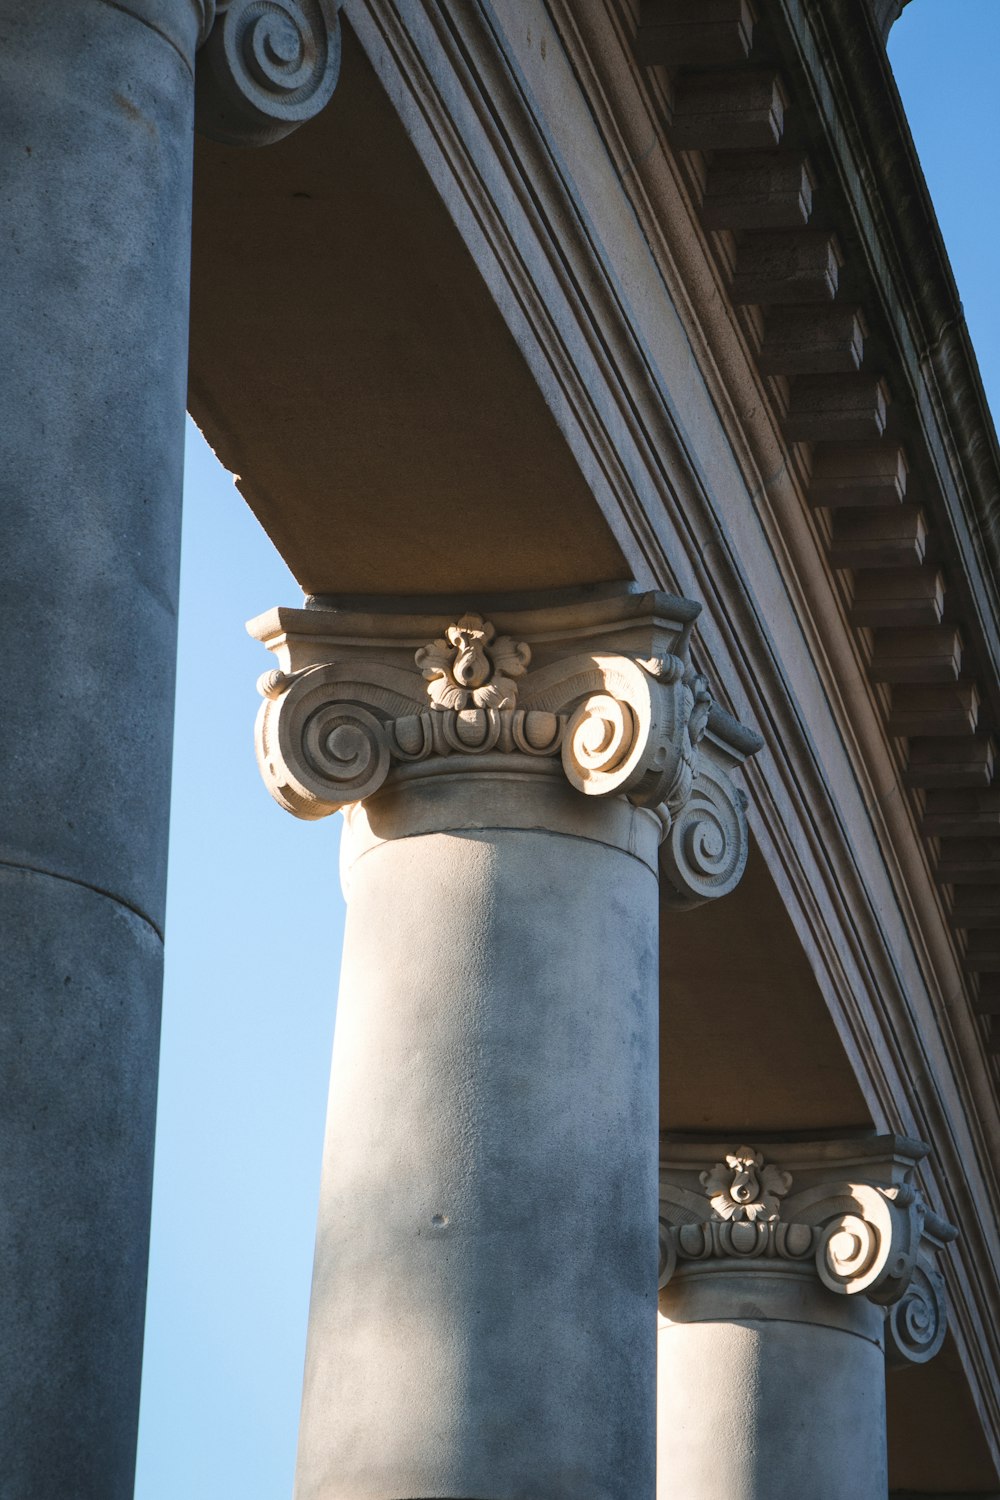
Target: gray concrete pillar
{"points": [[769, 1387], [787, 1271], [484, 1285], [96, 110], [482, 1317], [96, 121]]}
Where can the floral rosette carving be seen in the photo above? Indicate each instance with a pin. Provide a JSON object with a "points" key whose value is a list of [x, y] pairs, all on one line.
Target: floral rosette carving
{"points": [[472, 667], [745, 1187]]}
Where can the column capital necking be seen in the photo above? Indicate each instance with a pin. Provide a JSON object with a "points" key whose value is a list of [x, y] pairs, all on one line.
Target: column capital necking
{"points": [[604, 689], [849, 1212]]}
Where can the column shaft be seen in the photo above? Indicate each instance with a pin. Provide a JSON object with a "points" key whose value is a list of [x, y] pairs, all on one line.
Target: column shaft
{"points": [[96, 109], [482, 1309], [769, 1389]]}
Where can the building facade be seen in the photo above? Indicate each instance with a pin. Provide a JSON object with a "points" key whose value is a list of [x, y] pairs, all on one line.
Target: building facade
{"points": [[598, 372]]}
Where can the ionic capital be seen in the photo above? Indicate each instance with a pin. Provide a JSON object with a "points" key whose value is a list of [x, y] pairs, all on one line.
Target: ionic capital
{"points": [[849, 1213], [605, 690], [265, 67]]}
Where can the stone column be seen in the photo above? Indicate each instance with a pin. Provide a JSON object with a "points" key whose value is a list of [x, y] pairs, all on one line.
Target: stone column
{"points": [[788, 1272], [96, 120], [482, 1308]]}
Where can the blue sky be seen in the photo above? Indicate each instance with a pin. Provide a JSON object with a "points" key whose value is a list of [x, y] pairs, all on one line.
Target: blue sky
{"points": [[255, 914]]}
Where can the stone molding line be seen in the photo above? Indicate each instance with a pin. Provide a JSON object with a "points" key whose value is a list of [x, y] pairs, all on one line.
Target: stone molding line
{"points": [[605, 690], [847, 1212], [265, 68]]}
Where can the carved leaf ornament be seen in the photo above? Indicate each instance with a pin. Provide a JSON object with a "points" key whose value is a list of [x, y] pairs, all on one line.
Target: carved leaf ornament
{"points": [[743, 1187], [331, 734], [470, 667], [858, 1238]]}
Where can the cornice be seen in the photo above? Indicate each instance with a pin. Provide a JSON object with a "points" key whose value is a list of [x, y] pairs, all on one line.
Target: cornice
{"points": [[853, 91], [898, 1064], [885, 14]]}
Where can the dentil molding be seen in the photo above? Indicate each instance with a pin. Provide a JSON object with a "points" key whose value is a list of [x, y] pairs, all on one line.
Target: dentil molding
{"points": [[847, 1212], [265, 68], [604, 689]]}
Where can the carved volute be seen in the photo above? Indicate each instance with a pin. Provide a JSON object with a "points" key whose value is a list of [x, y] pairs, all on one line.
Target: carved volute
{"points": [[265, 67], [847, 1213], [604, 691]]}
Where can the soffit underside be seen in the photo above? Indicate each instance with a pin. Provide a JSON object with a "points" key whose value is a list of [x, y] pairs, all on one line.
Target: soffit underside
{"points": [[746, 1041], [355, 373], [349, 365]]}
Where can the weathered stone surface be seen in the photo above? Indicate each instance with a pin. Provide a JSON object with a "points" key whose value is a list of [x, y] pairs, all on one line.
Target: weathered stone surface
{"points": [[95, 125], [96, 104], [482, 1318], [731, 1416], [79, 1031]]}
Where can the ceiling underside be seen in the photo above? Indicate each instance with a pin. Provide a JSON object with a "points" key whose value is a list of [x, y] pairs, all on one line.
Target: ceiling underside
{"points": [[350, 365]]}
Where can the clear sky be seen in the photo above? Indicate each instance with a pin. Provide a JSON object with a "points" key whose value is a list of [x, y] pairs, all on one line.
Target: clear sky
{"points": [[255, 914]]}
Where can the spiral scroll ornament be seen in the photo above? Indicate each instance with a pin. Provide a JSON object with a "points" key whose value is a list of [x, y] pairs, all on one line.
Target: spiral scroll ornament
{"points": [[704, 853], [346, 749], [850, 1253], [633, 726], [266, 68], [599, 744], [915, 1325], [318, 754]]}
